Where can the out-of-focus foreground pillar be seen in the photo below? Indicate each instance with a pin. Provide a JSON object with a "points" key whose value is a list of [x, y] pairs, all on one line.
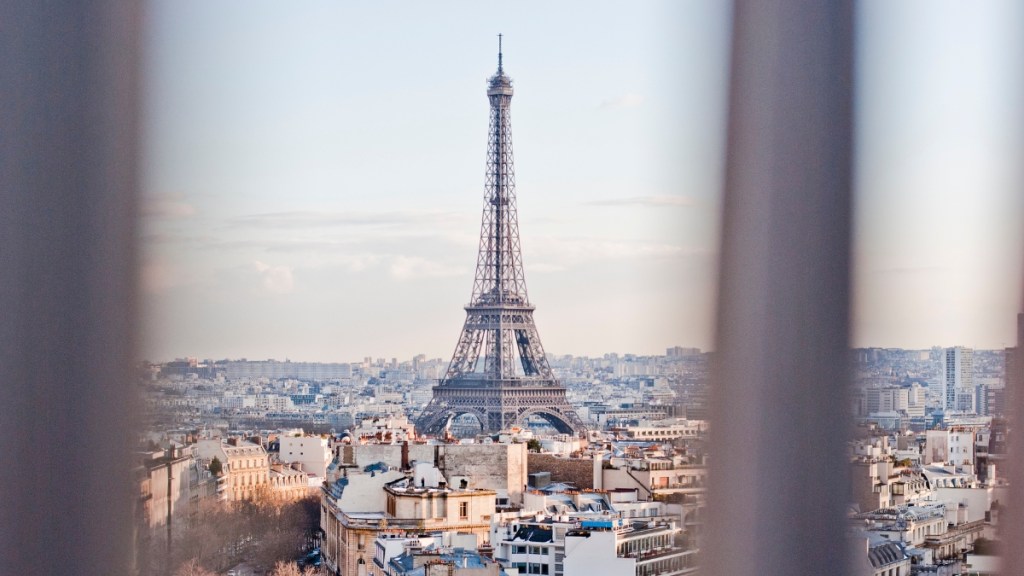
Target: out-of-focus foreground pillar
{"points": [[68, 102], [780, 419], [1010, 516]]}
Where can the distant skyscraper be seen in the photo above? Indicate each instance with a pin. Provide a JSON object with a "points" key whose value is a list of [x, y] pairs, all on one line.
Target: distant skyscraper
{"points": [[958, 378], [499, 372]]}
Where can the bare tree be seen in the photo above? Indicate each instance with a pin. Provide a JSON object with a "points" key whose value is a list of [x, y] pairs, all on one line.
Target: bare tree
{"points": [[193, 568], [286, 569], [261, 531], [291, 569]]}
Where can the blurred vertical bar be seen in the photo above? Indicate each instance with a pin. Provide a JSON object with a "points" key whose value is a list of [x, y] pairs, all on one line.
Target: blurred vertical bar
{"points": [[1009, 518], [68, 80], [779, 411]]}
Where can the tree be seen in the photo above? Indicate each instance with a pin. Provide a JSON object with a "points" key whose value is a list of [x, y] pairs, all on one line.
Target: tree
{"points": [[291, 569], [282, 529], [216, 467], [533, 445], [261, 531], [193, 568]]}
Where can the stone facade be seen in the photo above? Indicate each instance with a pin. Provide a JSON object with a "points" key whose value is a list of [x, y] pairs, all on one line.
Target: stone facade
{"points": [[577, 471], [246, 467], [358, 509]]}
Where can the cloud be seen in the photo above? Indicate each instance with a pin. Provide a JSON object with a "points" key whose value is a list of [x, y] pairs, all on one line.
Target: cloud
{"points": [[628, 100], [359, 262], [167, 206], [542, 267], [408, 267], [323, 219], [565, 253], [276, 279], [654, 201]]}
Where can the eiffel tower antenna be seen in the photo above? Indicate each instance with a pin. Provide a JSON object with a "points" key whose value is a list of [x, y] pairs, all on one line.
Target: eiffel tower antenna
{"points": [[499, 372]]}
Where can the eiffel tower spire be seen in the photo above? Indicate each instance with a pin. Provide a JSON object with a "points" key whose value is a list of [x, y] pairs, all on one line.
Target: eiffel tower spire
{"points": [[499, 371]]}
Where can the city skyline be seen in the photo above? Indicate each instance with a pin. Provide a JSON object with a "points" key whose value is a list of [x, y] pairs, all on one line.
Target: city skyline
{"points": [[318, 197]]}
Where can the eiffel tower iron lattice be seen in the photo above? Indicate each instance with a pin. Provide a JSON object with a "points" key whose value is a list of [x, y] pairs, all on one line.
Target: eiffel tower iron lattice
{"points": [[499, 372]]}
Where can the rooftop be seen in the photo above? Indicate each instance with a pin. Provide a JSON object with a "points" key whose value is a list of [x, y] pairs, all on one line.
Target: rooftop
{"points": [[414, 564], [535, 533]]}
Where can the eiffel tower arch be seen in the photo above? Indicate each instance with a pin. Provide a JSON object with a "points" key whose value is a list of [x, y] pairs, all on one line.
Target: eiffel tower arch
{"points": [[499, 372]]}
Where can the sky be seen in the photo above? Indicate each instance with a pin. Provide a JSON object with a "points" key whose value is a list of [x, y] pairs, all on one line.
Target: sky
{"points": [[938, 175], [313, 174]]}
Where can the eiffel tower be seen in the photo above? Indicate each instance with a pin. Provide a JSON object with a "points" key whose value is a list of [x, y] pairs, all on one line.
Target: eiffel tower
{"points": [[499, 372]]}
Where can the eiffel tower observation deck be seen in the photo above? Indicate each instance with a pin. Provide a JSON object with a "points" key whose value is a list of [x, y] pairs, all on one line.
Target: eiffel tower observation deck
{"points": [[499, 372]]}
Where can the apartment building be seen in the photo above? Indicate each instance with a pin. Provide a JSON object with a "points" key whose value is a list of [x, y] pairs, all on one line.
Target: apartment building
{"points": [[246, 467], [618, 548], [361, 506]]}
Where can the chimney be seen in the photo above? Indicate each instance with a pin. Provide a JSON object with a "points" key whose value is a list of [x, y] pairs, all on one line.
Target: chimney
{"points": [[405, 455], [233, 441]]}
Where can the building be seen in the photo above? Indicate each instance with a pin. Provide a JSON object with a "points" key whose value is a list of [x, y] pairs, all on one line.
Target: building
{"points": [[653, 470], [312, 452], [276, 370], [171, 485], [498, 467], [245, 466], [958, 378], [618, 548], [534, 539], [934, 532], [880, 557], [662, 430], [165, 487], [955, 444], [291, 482], [385, 429], [362, 506], [879, 483], [450, 562]]}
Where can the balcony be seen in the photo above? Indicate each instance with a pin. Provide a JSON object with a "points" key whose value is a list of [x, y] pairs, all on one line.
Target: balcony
{"points": [[658, 554]]}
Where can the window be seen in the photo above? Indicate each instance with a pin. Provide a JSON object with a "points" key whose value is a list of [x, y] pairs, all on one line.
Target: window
{"points": [[463, 510], [519, 549]]}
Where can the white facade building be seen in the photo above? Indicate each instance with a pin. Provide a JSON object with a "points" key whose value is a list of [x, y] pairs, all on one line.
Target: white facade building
{"points": [[955, 445], [312, 452], [958, 374], [614, 548]]}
